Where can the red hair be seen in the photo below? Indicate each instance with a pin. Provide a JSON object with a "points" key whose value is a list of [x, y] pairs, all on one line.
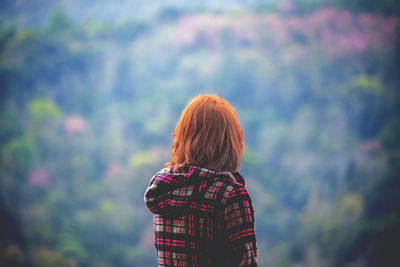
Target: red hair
{"points": [[208, 134]]}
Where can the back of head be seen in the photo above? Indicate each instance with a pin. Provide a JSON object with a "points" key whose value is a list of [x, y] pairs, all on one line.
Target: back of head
{"points": [[208, 134]]}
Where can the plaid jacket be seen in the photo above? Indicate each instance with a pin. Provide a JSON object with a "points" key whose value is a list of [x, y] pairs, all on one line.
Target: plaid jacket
{"points": [[202, 217]]}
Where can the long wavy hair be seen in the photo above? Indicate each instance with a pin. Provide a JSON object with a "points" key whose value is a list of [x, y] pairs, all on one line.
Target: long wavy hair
{"points": [[208, 134]]}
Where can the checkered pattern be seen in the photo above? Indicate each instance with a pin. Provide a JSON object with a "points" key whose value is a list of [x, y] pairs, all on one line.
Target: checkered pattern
{"points": [[202, 217]]}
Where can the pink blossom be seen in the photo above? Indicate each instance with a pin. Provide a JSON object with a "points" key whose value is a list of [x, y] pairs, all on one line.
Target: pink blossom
{"points": [[74, 125], [371, 145], [287, 6], [333, 32], [113, 170], [39, 178], [343, 21], [321, 18], [358, 42]]}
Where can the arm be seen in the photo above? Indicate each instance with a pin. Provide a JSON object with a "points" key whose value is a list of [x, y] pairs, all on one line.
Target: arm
{"points": [[239, 227]]}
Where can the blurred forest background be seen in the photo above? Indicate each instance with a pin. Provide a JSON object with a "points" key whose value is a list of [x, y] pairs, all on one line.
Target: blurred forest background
{"points": [[90, 92]]}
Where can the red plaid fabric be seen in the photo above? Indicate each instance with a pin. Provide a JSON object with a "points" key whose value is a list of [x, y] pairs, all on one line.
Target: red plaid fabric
{"points": [[202, 217]]}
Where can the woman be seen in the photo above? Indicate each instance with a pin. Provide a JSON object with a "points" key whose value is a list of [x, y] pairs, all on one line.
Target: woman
{"points": [[203, 215]]}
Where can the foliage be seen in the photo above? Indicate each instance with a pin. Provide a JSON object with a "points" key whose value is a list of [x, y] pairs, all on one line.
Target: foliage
{"points": [[87, 111], [42, 110], [20, 152], [390, 7], [59, 23]]}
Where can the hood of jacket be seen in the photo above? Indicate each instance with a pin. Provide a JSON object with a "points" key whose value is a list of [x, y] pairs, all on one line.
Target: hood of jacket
{"points": [[174, 190]]}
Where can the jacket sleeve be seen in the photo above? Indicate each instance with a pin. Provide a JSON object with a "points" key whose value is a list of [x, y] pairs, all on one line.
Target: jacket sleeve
{"points": [[239, 227], [158, 195]]}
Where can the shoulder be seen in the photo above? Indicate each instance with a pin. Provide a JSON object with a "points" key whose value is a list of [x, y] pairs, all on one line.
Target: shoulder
{"points": [[231, 190]]}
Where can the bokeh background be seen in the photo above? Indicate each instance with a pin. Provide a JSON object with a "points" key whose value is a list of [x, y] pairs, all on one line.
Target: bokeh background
{"points": [[90, 92]]}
